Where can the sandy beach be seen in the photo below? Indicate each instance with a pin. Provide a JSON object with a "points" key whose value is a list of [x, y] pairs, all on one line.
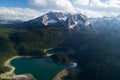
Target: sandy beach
{"points": [[7, 64], [10, 74], [61, 74], [48, 55]]}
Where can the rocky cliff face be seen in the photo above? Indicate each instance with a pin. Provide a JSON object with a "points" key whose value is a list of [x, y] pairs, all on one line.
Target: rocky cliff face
{"points": [[70, 21]]}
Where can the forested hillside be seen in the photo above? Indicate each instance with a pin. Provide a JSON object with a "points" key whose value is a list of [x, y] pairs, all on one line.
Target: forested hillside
{"points": [[97, 53], [28, 42], [6, 47]]}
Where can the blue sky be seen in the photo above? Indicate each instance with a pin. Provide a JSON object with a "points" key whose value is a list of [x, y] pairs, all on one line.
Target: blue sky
{"points": [[18, 3], [30, 9], [103, 0], [13, 3]]}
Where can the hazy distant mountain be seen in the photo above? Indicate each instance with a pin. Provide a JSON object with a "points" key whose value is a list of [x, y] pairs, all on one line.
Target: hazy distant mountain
{"points": [[105, 23], [10, 21]]}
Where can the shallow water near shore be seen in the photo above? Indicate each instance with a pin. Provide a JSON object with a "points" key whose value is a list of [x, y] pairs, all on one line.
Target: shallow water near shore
{"points": [[40, 68]]}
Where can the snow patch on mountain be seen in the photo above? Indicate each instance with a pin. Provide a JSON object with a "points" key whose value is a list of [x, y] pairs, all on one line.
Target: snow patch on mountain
{"points": [[62, 19]]}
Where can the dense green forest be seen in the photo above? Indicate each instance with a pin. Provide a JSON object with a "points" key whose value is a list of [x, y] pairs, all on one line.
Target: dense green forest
{"points": [[28, 42], [96, 53], [6, 48]]}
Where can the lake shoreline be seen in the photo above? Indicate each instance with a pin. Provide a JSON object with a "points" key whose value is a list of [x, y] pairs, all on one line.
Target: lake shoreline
{"points": [[45, 51], [7, 64], [61, 74], [10, 74]]}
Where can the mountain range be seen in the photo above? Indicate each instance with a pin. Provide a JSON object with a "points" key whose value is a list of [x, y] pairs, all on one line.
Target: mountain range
{"points": [[67, 21]]}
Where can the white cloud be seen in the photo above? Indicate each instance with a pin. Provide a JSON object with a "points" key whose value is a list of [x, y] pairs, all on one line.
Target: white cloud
{"points": [[96, 8], [90, 8], [95, 14], [54, 5], [113, 3], [18, 13], [80, 2], [107, 4]]}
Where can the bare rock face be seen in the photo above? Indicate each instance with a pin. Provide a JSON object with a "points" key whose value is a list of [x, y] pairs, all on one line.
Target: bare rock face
{"points": [[44, 20], [67, 20]]}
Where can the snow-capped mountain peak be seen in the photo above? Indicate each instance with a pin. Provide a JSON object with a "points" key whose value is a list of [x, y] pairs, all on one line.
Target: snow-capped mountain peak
{"points": [[62, 19]]}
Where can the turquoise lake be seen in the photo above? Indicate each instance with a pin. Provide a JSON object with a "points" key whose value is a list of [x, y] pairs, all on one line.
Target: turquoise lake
{"points": [[40, 68]]}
